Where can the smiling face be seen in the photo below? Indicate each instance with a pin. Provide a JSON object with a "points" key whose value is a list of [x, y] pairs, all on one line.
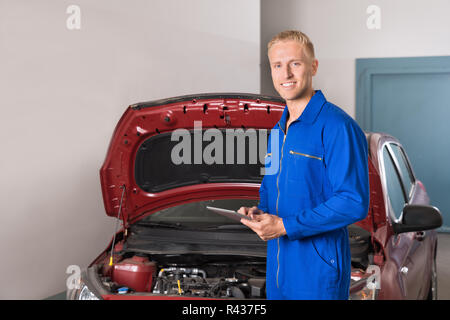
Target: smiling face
{"points": [[292, 70]]}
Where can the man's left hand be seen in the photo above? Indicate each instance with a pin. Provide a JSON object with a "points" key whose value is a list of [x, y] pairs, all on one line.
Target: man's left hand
{"points": [[266, 226]]}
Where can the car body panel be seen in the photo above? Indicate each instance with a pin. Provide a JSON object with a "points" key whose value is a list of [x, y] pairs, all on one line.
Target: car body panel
{"points": [[143, 120], [405, 273]]}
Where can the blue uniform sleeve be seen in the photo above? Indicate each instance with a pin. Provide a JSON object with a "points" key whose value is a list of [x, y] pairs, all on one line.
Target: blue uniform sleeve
{"points": [[346, 161], [263, 201], [263, 205]]}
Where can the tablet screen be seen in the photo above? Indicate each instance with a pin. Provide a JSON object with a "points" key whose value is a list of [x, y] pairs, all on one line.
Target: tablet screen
{"points": [[228, 213]]}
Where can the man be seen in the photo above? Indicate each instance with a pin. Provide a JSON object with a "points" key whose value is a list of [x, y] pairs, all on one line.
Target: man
{"points": [[321, 186]]}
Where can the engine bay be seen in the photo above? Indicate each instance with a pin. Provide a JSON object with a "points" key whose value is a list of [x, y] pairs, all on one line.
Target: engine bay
{"points": [[203, 275], [209, 276]]}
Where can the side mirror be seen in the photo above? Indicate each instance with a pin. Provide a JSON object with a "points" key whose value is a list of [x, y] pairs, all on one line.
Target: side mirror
{"points": [[418, 218]]}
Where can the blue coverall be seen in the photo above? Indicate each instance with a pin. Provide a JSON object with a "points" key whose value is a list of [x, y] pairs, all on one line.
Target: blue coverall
{"points": [[321, 186]]}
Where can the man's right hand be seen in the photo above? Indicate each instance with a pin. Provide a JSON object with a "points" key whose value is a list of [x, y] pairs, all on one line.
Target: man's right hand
{"points": [[250, 211]]}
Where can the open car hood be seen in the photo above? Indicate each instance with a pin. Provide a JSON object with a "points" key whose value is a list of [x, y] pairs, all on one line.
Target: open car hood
{"points": [[139, 169]]}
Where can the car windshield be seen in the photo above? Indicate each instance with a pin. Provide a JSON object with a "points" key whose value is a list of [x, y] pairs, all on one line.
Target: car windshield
{"points": [[195, 214]]}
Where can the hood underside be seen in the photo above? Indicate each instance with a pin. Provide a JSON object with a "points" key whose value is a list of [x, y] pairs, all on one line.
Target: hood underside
{"points": [[161, 151]]}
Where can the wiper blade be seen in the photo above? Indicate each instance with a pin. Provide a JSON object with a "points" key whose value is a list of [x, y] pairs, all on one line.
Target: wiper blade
{"points": [[198, 228], [161, 224], [228, 227]]}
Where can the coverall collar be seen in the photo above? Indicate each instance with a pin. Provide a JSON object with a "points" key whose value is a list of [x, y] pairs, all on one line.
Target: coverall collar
{"points": [[310, 113]]}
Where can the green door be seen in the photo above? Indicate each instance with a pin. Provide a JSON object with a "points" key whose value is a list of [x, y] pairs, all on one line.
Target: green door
{"points": [[409, 98]]}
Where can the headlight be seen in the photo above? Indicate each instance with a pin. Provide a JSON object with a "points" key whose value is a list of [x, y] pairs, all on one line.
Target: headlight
{"points": [[369, 292], [364, 294], [86, 294]]}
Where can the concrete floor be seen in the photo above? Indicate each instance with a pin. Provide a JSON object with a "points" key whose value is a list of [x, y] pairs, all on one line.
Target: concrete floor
{"points": [[443, 269], [443, 266]]}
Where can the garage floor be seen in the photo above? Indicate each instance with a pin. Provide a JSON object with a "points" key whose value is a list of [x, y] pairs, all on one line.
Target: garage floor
{"points": [[443, 266], [443, 269]]}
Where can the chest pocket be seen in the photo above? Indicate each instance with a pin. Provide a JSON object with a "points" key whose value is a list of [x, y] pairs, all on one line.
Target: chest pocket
{"points": [[305, 173]]}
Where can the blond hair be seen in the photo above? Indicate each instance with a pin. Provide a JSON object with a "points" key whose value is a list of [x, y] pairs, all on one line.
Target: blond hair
{"points": [[296, 36]]}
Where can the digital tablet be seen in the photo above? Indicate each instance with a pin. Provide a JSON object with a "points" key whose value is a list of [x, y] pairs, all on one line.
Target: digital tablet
{"points": [[229, 213]]}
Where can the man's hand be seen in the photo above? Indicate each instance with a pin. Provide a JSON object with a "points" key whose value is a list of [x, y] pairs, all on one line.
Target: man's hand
{"points": [[251, 212], [265, 225]]}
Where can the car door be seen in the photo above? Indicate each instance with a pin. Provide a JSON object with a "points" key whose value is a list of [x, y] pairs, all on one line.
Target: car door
{"points": [[414, 269], [406, 247]]}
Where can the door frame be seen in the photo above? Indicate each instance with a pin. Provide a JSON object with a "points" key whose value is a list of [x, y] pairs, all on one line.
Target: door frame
{"points": [[367, 68]]}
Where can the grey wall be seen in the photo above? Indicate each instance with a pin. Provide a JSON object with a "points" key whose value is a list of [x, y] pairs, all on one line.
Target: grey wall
{"points": [[62, 93], [340, 35]]}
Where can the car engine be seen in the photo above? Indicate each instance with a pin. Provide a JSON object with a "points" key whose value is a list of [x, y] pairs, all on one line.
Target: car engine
{"points": [[203, 275], [188, 276]]}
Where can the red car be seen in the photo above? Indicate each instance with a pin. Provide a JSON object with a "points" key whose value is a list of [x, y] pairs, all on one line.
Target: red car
{"points": [[169, 159]]}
